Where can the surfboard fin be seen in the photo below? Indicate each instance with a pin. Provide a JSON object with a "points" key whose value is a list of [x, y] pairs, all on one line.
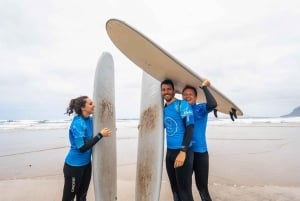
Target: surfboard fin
{"points": [[232, 114], [215, 113]]}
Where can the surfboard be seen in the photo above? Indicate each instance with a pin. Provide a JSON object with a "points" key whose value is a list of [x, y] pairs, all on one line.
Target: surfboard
{"points": [[150, 141], [104, 158], [161, 65]]}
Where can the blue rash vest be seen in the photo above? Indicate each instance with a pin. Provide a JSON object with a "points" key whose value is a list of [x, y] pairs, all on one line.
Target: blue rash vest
{"points": [[173, 122], [81, 130], [199, 136]]}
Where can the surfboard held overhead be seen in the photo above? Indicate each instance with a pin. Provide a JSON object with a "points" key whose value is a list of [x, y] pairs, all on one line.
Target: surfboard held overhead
{"points": [[161, 65]]}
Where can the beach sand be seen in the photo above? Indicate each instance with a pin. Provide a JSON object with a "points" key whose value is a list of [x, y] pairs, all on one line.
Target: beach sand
{"points": [[247, 162]]}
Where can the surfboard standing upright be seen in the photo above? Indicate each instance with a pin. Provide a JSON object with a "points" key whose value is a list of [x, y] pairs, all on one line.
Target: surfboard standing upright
{"points": [[104, 153], [160, 64], [150, 142]]}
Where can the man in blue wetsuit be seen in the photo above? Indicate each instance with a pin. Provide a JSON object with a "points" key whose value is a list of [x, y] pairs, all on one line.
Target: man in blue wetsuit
{"points": [[179, 125], [199, 146]]}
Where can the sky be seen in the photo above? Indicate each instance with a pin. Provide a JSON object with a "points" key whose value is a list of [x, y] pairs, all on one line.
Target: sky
{"points": [[49, 50]]}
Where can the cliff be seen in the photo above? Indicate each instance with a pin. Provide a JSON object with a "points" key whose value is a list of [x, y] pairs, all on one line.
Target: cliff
{"points": [[294, 113]]}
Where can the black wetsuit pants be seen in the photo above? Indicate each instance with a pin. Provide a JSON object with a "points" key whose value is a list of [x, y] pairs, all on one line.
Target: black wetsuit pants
{"points": [[181, 177], [77, 181], [201, 167]]}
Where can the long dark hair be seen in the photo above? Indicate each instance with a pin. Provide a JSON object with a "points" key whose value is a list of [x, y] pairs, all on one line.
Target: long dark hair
{"points": [[76, 104]]}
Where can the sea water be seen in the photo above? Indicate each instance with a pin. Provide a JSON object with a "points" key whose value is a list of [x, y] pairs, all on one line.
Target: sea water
{"points": [[129, 123], [29, 147]]}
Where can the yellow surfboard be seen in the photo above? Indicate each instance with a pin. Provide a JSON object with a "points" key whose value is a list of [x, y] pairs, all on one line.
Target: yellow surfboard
{"points": [[161, 65]]}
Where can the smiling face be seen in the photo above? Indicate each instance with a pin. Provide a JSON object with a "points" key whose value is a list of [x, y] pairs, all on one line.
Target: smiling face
{"points": [[88, 108], [189, 95], [168, 92]]}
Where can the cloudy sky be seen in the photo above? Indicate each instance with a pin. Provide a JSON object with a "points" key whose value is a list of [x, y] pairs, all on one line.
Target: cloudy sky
{"points": [[250, 50]]}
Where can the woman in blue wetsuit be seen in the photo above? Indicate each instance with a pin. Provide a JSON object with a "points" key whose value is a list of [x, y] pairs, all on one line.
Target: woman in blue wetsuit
{"points": [[179, 125], [77, 168], [199, 146]]}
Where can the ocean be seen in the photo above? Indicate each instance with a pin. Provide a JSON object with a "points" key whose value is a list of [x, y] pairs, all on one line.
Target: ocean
{"points": [[6, 125], [235, 146]]}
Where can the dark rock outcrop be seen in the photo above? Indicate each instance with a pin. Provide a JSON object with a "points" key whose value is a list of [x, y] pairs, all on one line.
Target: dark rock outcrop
{"points": [[294, 113]]}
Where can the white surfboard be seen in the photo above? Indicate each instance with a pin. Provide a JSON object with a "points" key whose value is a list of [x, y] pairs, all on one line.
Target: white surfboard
{"points": [[161, 65], [150, 142], [104, 157]]}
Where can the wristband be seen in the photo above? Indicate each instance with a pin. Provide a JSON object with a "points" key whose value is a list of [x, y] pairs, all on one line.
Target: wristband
{"points": [[184, 148], [99, 136]]}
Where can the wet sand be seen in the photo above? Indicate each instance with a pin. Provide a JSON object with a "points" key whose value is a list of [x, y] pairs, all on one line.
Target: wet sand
{"points": [[247, 162]]}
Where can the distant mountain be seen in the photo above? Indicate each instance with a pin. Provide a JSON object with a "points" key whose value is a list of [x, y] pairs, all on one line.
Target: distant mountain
{"points": [[295, 113]]}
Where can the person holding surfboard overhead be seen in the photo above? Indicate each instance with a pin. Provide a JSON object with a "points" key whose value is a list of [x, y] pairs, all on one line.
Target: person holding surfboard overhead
{"points": [[199, 146], [179, 125], [77, 168]]}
